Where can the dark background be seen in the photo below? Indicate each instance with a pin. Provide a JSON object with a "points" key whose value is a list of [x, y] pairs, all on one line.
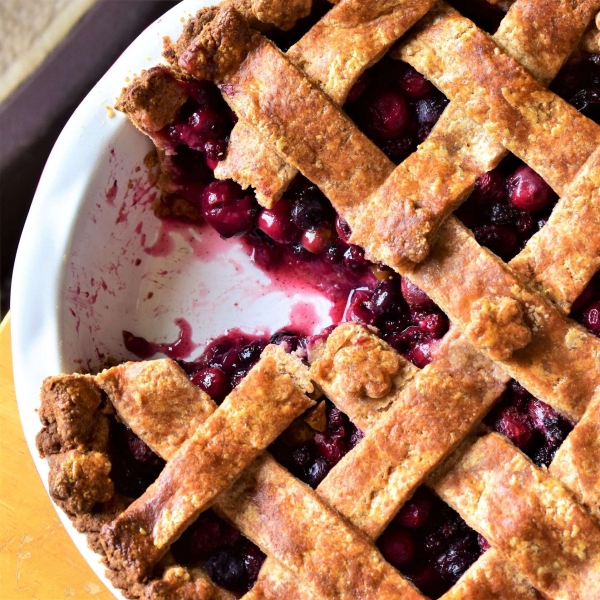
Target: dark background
{"points": [[34, 115]]}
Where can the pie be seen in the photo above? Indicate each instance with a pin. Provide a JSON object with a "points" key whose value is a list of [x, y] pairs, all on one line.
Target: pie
{"points": [[435, 170]]}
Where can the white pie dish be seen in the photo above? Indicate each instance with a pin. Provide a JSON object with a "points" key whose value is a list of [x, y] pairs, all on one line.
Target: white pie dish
{"points": [[76, 284]]}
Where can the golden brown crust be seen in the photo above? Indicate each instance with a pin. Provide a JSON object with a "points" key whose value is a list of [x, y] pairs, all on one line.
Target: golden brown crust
{"points": [[286, 519], [78, 481], [435, 179], [425, 422], [404, 214], [220, 46], [180, 583], [360, 373], [333, 54], [68, 411], [527, 515], [152, 100], [563, 256], [253, 162], [157, 399], [541, 34], [253, 415], [498, 326], [577, 462], [274, 582], [501, 96]]}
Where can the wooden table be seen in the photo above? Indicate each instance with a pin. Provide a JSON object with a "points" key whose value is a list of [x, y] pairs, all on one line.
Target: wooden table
{"points": [[38, 560]]}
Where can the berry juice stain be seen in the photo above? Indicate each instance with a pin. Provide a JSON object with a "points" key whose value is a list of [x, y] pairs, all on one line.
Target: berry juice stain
{"points": [[182, 347]]}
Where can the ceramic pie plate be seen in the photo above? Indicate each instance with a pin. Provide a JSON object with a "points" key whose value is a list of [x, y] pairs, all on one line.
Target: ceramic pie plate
{"points": [[94, 260]]}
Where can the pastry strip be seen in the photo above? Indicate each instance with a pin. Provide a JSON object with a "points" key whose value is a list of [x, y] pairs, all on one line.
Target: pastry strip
{"points": [[360, 373], [346, 41], [498, 93], [527, 515], [491, 577], [577, 462], [133, 388], [253, 415], [475, 288], [564, 255]]}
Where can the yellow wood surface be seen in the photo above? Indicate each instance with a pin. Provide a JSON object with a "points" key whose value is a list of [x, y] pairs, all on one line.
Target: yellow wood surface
{"points": [[38, 560]]}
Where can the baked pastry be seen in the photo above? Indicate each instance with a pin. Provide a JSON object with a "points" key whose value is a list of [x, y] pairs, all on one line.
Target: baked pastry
{"points": [[392, 455]]}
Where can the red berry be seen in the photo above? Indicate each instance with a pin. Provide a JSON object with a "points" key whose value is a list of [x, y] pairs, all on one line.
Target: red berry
{"points": [[316, 240], [514, 425], [213, 381], [414, 84], [388, 114], [277, 223], [415, 297], [397, 546], [415, 512], [528, 191]]}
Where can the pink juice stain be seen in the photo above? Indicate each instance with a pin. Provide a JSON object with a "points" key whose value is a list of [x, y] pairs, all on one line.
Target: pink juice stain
{"points": [[182, 347]]}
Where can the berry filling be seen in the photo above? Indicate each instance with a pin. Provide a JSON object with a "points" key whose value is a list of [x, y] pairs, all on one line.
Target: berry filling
{"points": [[530, 424], [310, 448], [579, 84], [134, 465], [586, 309], [485, 15], [231, 560], [395, 106], [430, 544], [507, 206]]}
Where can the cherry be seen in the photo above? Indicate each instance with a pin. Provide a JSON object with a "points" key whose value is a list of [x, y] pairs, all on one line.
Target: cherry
{"points": [[483, 544], [416, 511], [253, 561], [514, 425], [528, 191], [489, 188], [342, 228], [388, 115], [397, 546], [213, 381], [591, 318], [250, 353], [332, 445], [316, 241], [415, 297], [336, 419], [289, 340], [453, 563], [140, 450], [414, 84], [277, 223], [358, 89], [227, 209]]}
